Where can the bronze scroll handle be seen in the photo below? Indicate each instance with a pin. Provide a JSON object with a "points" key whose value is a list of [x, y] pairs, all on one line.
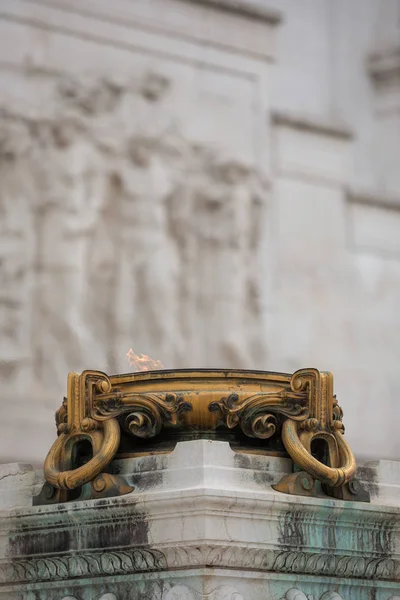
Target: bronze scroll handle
{"points": [[333, 476], [105, 444]]}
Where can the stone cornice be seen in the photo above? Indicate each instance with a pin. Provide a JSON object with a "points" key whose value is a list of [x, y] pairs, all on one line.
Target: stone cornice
{"points": [[57, 568], [379, 198], [285, 561], [312, 124], [200, 499], [245, 8], [301, 530]]}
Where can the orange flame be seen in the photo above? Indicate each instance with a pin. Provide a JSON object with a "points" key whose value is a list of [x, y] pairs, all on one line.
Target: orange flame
{"points": [[141, 362]]}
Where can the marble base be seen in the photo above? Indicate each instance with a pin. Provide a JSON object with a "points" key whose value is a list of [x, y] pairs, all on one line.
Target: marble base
{"points": [[202, 522]]}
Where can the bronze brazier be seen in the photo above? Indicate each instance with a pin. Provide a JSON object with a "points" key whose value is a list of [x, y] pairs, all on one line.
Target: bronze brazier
{"points": [[104, 415]]}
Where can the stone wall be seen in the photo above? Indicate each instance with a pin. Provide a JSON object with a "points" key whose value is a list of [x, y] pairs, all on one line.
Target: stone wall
{"points": [[206, 183]]}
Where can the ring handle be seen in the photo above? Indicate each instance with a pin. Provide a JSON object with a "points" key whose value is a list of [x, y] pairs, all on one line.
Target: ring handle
{"points": [[327, 475], [68, 480]]}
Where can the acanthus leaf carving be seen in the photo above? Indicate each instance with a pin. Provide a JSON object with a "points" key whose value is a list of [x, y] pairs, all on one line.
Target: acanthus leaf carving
{"points": [[82, 565], [285, 561]]}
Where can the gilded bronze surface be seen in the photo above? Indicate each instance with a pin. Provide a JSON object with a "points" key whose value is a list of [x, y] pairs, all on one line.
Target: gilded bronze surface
{"points": [[301, 409]]}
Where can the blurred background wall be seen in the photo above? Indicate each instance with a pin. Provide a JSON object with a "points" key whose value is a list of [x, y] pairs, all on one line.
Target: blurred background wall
{"points": [[214, 183]]}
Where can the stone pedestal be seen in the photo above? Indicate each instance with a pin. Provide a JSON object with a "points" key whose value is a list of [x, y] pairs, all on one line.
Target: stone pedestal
{"points": [[203, 522]]}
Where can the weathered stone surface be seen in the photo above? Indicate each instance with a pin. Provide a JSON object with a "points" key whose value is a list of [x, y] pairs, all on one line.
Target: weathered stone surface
{"points": [[202, 524], [16, 482]]}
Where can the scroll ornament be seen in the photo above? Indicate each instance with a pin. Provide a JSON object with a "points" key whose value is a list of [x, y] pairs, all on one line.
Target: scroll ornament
{"points": [[310, 412]]}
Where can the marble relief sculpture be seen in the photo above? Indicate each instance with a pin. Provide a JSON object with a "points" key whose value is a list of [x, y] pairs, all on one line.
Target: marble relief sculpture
{"points": [[113, 216]]}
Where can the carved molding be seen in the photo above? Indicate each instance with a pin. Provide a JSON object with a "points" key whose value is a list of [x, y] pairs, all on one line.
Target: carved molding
{"points": [[183, 592], [144, 560], [286, 561], [247, 8], [66, 567], [107, 596], [313, 126], [296, 594]]}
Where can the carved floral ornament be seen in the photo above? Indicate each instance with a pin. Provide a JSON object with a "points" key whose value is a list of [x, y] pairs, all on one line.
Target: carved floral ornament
{"points": [[103, 597], [296, 594], [182, 592], [301, 409]]}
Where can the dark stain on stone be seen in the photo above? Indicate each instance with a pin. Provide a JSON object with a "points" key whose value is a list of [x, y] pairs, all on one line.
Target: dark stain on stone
{"points": [[377, 535], [329, 533], [43, 542], [259, 465], [369, 479], [69, 535], [372, 594], [151, 476], [242, 461], [383, 538], [264, 478], [290, 528], [129, 532]]}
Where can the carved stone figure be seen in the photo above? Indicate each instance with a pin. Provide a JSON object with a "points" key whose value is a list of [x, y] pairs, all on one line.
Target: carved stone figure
{"points": [[215, 215], [17, 252], [148, 262], [73, 193], [117, 231]]}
